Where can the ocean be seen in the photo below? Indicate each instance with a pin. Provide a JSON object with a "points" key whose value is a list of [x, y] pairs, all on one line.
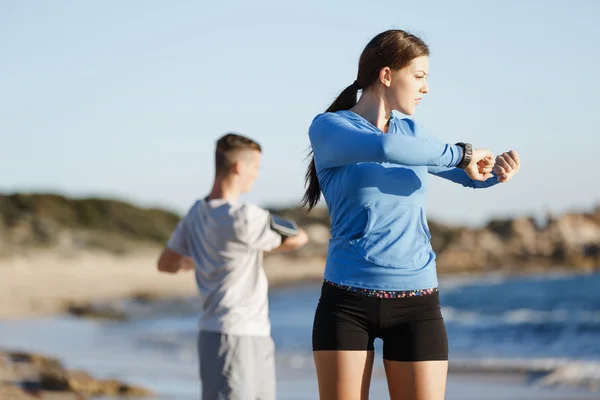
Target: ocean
{"points": [[544, 326]]}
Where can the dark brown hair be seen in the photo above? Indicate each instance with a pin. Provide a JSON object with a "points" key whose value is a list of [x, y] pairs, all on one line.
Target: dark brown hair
{"points": [[227, 147], [394, 49]]}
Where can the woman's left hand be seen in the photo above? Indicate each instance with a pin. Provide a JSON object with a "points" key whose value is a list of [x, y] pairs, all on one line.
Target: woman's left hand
{"points": [[507, 165]]}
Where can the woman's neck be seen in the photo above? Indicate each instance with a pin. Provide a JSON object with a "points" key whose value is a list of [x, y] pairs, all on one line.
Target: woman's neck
{"points": [[373, 110]]}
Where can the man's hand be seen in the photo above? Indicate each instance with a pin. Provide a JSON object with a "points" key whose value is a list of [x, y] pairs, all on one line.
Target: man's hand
{"points": [[507, 165], [187, 264], [172, 262]]}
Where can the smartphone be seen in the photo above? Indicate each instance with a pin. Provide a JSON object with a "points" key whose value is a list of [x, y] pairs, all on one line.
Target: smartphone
{"points": [[285, 227]]}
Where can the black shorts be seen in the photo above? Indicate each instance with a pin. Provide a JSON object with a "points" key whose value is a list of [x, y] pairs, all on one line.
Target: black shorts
{"points": [[411, 328]]}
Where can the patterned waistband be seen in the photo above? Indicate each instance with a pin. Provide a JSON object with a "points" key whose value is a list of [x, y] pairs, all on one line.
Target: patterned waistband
{"points": [[385, 294]]}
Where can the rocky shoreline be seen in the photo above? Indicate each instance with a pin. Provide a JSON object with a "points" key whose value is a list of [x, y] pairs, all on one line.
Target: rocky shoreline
{"points": [[67, 226], [29, 376]]}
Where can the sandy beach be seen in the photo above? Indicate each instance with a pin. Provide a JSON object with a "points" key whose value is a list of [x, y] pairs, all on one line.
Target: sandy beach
{"points": [[44, 283]]}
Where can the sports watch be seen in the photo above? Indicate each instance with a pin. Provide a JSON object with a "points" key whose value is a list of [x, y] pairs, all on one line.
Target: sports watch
{"points": [[467, 154]]}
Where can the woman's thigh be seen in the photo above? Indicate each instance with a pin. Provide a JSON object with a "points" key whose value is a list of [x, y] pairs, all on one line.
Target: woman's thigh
{"points": [[418, 380], [344, 375], [415, 348], [343, 334]]}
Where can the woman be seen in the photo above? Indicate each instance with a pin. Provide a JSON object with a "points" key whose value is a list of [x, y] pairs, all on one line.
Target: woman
{"points": [[380, 276]]}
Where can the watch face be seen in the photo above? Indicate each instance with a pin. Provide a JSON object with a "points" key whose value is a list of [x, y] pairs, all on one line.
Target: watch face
{"points": [[467, 154]]}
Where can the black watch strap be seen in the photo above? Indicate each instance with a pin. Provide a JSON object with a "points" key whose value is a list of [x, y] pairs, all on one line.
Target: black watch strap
{"points": [[467, 155]]}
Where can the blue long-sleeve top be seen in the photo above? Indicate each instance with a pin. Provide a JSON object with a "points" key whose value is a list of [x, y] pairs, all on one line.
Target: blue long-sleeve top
{"points": [[374, 184]]}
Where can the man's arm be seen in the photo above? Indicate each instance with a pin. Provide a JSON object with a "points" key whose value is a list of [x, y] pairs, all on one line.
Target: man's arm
{"points": [[172, 262], [174, 256], [257, 232], [292, 243]]}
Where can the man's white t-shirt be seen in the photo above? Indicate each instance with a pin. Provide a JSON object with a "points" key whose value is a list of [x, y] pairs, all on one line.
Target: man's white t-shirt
{"points": [[227, 241]]}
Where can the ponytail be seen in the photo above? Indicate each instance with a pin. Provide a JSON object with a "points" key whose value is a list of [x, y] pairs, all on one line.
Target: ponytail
{"points": [[345, 101]]}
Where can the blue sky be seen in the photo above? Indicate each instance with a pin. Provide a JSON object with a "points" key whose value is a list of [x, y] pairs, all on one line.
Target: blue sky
{"points": [[126, 99]]}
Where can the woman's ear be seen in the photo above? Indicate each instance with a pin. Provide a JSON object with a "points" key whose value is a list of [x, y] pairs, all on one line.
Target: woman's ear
{"points": [[385, 76]]}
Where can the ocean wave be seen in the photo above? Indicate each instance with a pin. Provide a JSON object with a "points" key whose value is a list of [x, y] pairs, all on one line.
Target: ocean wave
{"points": [[459, 281], [543, 372], [551, 372], [521, 316]]}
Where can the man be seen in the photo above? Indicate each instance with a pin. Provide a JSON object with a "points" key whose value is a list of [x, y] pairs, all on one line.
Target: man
{"points": [[224, 241]]}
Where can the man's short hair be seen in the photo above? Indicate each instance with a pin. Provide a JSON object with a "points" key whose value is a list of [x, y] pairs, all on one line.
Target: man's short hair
{"points": [[228, 146]]}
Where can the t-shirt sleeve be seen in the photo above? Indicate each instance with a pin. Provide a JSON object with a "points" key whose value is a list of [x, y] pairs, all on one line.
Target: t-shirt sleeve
{"points": [[256, 230], [178, 240]]}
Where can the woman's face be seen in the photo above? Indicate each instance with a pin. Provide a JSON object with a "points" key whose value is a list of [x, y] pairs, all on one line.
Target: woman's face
{"points": [[404, 88]]}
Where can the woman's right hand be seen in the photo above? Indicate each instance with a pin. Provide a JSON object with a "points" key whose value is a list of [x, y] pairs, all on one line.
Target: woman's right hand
{"points": [[480, 167]]}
